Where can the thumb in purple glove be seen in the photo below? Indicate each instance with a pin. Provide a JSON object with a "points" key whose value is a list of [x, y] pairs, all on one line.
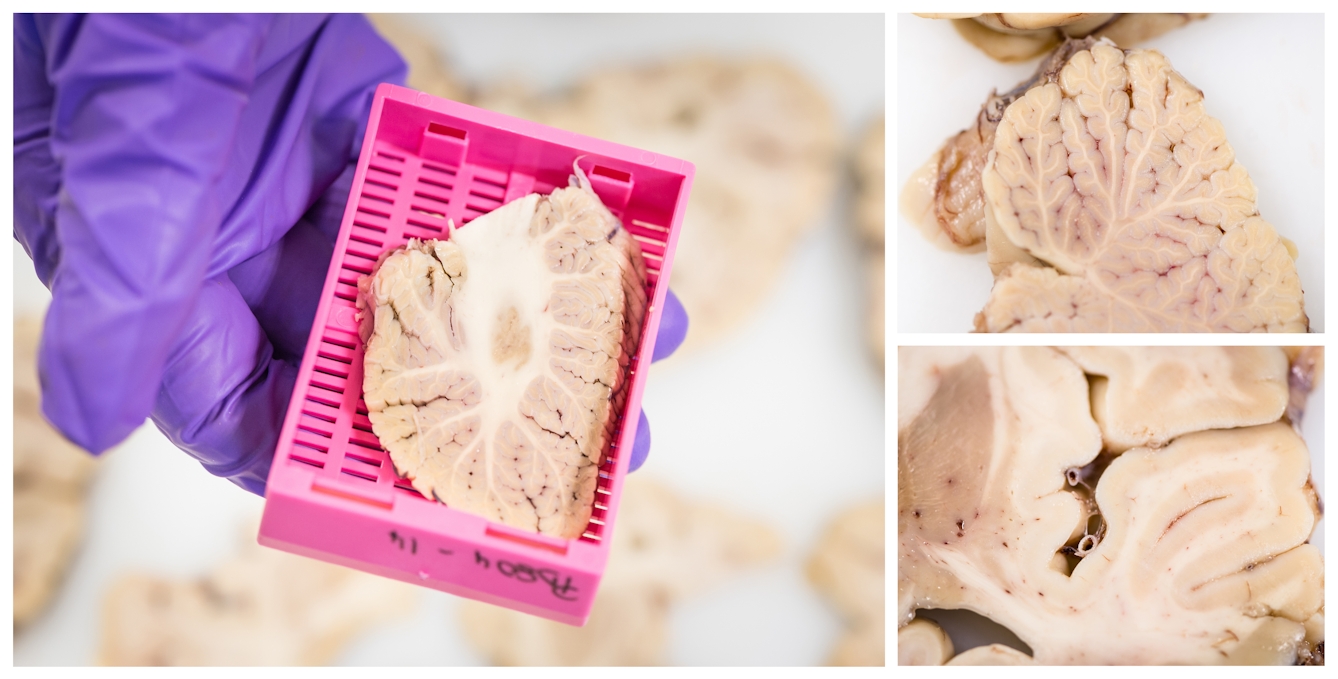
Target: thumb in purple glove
{"points": [[673, 328]]}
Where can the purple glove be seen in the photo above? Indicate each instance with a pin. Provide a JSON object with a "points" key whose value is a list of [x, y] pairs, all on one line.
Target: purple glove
{"points": [[179, 183], [673, 328]]}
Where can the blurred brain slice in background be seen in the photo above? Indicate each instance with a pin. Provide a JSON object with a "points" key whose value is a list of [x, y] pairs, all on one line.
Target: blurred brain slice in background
{"points": [[848, 567], [51, 479], [667, 548], [428, 69], [261, 607], [869, 170], [766, 146]]}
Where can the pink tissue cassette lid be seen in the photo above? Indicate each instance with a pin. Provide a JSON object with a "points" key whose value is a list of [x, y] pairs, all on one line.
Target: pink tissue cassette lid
{"points": [[333, 493]]}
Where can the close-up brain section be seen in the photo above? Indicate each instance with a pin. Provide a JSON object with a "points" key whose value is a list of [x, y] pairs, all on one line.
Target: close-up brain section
{"points": [[1115, 180], [1104, 191], [1109, 505]]}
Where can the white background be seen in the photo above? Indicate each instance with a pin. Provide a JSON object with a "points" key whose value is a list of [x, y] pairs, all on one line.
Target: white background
{"points": [[784, 420], [1261, 75]]}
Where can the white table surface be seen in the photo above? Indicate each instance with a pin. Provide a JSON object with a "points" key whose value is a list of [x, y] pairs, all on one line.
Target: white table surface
{"points": [[1261, 75], [785, 419]]}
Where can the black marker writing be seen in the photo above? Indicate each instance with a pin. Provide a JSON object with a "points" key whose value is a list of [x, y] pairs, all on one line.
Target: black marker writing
{"points": [[560, 591], [560, 586], [398, 539]]}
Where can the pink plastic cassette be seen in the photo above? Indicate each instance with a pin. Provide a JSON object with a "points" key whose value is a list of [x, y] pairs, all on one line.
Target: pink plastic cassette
{"points": [[333, 493]]}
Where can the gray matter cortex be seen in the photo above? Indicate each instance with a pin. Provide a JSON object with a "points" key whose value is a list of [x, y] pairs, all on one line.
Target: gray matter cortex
{"points": [[1119, 205], [490, 404]]}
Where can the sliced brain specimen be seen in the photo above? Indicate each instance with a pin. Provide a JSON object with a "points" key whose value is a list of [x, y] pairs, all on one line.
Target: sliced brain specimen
{"points": [[496, 361], [1200, 552], [1126, 195]]}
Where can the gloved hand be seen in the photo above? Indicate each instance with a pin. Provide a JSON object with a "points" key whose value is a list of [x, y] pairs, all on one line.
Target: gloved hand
{"points": [[179, 183]]}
